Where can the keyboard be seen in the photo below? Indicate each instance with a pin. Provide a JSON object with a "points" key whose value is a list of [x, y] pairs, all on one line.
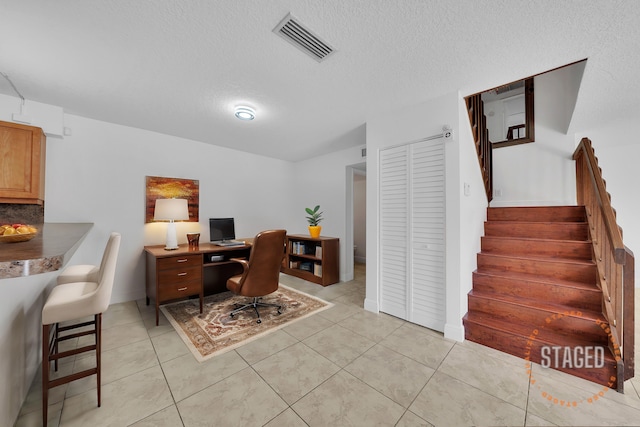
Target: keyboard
{"points": [[229, 243]]}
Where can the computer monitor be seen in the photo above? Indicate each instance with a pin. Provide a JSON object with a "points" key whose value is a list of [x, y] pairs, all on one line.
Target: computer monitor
{"points": [[221, 229]]}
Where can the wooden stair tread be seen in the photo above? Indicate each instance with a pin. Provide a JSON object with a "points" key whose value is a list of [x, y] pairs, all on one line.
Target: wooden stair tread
{"points": [[566, 213], [540, 305], [545, 336], [539, 279], [536, 239], [542, 258]]}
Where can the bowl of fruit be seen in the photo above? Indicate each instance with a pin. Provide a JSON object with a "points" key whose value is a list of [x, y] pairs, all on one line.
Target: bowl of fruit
{"points": [[12, 233]]}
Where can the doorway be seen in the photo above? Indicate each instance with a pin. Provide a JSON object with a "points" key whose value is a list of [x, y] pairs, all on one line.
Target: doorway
{"points": [[356, 233]]}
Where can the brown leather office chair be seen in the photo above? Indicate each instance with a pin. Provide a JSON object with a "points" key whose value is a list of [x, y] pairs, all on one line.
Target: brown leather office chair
{"points": [[261, 273]]}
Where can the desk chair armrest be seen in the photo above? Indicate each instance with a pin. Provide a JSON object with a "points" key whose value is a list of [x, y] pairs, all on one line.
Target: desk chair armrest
{"points": [[243, 262]]}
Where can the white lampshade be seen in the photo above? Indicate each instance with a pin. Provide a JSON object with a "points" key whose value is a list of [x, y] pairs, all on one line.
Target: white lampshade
{"points": [[171, 210]]}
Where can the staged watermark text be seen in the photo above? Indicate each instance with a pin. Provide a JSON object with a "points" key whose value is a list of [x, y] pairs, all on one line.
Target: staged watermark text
{"points": [[557, 357]]}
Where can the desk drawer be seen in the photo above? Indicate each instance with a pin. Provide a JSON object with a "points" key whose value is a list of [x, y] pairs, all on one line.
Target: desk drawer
{"points": [[171, 291], [179, 274], [183, 261]]}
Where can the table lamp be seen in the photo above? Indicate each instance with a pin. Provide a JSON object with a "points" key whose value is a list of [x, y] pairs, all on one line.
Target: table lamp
{"points": [[171, 210]]}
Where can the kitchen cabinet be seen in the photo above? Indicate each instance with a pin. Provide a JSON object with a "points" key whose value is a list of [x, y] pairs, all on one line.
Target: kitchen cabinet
{"points": [[22, 164]]}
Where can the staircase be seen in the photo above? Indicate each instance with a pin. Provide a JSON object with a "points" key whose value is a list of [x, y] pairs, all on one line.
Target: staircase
{"points": [[536, 279]]}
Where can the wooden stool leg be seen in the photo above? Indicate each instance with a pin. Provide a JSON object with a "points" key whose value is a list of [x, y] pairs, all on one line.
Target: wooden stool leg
{"points": [[55, 345], [98, 319], [45, 373]]}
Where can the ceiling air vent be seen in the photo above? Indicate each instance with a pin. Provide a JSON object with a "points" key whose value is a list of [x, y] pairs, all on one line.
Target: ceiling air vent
{"points": [[291, 30]]}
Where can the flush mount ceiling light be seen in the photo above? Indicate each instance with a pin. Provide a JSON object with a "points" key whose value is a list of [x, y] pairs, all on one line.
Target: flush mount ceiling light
{"points": [[245, 113]]}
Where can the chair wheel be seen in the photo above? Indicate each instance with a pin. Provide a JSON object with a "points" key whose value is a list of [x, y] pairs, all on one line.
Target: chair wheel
{"points": [[232, 315], [279, 312], [259, 321]]}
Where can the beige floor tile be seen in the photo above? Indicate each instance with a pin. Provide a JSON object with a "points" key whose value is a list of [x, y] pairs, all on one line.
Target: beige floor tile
{"points": [[287, 419], [34, 418], [295, 371], [117, 363], [339, 312], [409, 419], [149, 321], [33, 400], [375, 326], [446, 401], [120, 314], [168, 417], [544, 376], [243, 399], [505, 357], [344, 400], [331, 292], [169, 346], [338, 344], [355, 299], [118, 335], [266, 346], [187, 376], [536, 421], [124, 402], [502, 380], [392, 374], [306, 327], [547, 399], [420, 344]]}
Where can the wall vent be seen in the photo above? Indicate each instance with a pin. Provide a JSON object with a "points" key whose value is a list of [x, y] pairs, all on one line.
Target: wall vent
{"points": [[295, 33]]}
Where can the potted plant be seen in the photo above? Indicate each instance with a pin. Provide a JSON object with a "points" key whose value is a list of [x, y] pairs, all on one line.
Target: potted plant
{"points": [[314, 217]]}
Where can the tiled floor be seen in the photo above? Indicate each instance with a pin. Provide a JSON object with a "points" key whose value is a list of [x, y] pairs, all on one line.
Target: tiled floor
{"points": [[341, 367]]}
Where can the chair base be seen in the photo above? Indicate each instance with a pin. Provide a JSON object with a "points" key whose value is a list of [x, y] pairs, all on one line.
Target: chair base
{"points": [[255, 304], [50, 353]]}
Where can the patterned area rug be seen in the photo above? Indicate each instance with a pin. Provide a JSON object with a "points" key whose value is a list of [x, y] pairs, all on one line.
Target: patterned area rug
{"points": [[214, 331]]}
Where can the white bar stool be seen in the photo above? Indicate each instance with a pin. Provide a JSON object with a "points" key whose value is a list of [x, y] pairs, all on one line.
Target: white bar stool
{"points": [[81, 272], [71, 301]]}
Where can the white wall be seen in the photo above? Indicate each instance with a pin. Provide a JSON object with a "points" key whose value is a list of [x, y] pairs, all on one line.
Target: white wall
{"points": [[323, 181], [412, 124], [360, 216], [542, 172], [21, 301], [618, 149], [98, 175]]}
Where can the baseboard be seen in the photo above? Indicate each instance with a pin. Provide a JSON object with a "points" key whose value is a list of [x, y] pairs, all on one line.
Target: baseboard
{"points": [[371, 305], [454, 332]]}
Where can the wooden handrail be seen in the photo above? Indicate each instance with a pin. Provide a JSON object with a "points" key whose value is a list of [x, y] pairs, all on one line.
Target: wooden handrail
{"points": [[478, 121], [615, 262]]}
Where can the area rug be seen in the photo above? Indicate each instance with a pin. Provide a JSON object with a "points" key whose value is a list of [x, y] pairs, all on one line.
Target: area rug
{"points": [[214, 332]]}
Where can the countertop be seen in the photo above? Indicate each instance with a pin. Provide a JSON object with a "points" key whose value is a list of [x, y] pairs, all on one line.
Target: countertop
{"points": [[52, 247]]}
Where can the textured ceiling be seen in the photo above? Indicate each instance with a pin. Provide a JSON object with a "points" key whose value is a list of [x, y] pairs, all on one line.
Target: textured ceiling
{"points": [[180, 66]]}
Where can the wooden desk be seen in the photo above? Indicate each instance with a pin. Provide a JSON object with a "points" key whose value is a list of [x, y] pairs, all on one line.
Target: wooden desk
{"points": [[187, 272]]}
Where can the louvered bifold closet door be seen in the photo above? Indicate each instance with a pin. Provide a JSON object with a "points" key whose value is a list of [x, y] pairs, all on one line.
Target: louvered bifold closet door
{"points": [[427, 258], [412, 232], [394, 231]]}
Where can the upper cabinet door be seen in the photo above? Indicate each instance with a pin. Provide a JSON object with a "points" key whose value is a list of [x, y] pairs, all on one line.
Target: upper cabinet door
{"points": [[22, 161]]}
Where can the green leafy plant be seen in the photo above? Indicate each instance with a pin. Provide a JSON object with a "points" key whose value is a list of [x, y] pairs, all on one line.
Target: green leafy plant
{"points": [[315, 216]]}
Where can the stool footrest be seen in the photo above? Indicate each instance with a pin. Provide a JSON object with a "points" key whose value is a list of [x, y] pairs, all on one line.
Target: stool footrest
{"points": [[72, 352], [72, 377], [75, 326], [77, 335]]}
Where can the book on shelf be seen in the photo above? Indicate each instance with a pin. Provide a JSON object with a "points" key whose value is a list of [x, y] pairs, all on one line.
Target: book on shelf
{"points": [[306, 266], [317, 269], [318, 251], [294, 264]]}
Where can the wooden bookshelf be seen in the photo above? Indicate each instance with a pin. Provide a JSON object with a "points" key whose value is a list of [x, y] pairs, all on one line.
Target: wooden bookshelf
{"points": [[313, 259]]}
